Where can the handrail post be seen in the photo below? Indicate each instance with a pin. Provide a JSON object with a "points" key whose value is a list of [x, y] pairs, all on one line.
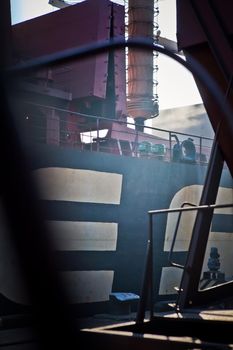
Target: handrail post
{"points": [[200, 151], [151, 305], [97, 129], [91, 140], [170, 144], [147, 285], [170, 255]]}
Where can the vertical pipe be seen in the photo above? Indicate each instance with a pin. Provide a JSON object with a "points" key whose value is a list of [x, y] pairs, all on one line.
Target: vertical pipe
{"points": [[90, 141], [170, 145], [200, 151], [147, 285], [97, 128], [151, 266]]}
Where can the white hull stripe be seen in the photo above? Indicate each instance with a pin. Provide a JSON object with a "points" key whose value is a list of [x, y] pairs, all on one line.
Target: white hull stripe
{"points": [[171, 276], [88, 286], [191, 194], [95, 236], [78, 185], [81, 287], [170, 279], [65, 184]]}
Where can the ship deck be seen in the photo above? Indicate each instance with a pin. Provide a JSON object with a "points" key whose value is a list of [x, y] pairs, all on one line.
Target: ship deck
{"points": [[100, 329]]}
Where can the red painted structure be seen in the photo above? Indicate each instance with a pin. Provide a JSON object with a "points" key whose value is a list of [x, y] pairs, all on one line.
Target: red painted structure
{"points": [[94, 86], [71, 27]]}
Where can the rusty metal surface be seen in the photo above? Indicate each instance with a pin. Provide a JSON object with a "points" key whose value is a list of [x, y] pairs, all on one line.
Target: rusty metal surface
{"points": [[189, 32]]}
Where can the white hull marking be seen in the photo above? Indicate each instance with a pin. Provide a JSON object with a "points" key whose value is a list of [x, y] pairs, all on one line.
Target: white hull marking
{"points": [[88, 286], [70, 235], [79, 185], [222, 240]]}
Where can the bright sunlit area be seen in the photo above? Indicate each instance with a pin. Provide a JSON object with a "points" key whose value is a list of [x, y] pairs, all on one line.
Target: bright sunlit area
{"points": [[176, 86]]}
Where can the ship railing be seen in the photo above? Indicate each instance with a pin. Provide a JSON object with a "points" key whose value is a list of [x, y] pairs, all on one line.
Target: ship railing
{"points": [[65, 128], [146, 301]]}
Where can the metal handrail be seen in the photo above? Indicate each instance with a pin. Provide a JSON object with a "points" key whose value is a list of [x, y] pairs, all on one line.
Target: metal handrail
{"points": [[174, 237], [94, 123], [148, 275], [114, 120]]}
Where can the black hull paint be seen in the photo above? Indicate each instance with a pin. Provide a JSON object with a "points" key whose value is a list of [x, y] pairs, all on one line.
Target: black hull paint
{"points": [[147, 184]]}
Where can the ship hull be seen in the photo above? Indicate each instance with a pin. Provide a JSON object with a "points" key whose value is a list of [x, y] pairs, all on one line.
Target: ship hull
{"points": [[96, 206]]}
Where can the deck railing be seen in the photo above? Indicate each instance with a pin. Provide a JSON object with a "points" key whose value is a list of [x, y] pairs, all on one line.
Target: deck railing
{"points": [[65, 128]]}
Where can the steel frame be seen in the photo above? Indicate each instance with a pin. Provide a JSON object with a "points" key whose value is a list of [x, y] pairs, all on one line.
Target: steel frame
{"points": [[147, 287]]}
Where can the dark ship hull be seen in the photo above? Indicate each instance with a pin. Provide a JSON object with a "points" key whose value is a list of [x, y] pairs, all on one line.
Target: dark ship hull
{"points": [[100, 235]]}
